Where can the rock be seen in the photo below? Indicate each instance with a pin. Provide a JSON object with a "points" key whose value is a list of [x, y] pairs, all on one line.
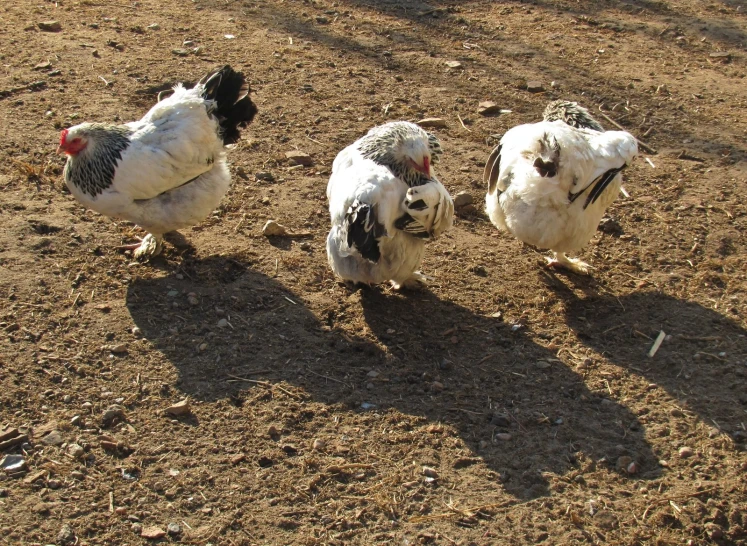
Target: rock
{"points": [[373, 374], [685, 452], [322, 20], [500, 420], [543, 364], [136, 528], [265, 176], [714, 531], [154, 26], [192, 299], [318, 444], [180, 408], [720, 55], [152, 533], [453, 64], [43, 66], [113, 413], [13, 463], [117, 349], [437, 123], [174, 529], [77, 475], [66, 535], [273, 229], [120, 511], [179, 52], [430, 472], [272, 432], [610, 225], [3, 493], [503, 436], [535, 87], [239, 458], [488, 108], [297, 157], [50, 26], [462, 199], [437, 386], [137, 332], [222, 323], [54, 438]]}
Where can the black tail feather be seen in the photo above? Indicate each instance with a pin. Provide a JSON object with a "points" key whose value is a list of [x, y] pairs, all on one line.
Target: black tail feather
{"points": [[234, 108]]}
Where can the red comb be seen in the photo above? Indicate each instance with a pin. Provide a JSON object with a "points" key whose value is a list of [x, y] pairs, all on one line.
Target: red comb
{"points": [[63, 136]]}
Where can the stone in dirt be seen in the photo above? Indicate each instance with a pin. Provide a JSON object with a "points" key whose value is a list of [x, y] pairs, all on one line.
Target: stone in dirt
{"points": [[462, 199], [54, 438], [488, 108], [436, 123], [13, 463], [273, 229], [453, 64], [180, 408], [50, 26], [535, 87], [152, 533], [66, 535], [297, 157], [112, 413]]}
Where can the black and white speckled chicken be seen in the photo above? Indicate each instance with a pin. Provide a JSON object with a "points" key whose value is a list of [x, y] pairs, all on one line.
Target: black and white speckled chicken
{"points": [[168, 170], [385, 202], [549, 183]]}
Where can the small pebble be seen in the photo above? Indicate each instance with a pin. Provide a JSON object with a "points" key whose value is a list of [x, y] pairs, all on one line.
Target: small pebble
{"points": [[503, 436], [318, 444], [120, 511], [180, 408], [430, 472], [174, 529], [136, 528], [297, 157], [685, 452]]}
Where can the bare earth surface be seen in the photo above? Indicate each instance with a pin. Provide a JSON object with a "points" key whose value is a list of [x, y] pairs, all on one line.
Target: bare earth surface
{"points": [[527, 393]]}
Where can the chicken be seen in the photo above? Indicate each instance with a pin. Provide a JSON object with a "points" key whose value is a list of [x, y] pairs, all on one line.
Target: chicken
{"points": [[167, 171], [385, 203], [549, 183]]}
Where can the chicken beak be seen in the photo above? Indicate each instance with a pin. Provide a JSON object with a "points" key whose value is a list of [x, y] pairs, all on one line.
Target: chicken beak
{"points": [[60, 150]]}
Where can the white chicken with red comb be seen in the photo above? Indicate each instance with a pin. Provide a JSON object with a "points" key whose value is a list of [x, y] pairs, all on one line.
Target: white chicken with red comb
{"points": [[384, 203], [168, 170]]}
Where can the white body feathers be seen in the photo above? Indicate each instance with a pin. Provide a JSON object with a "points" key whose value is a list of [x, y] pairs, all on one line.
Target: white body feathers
{"points": [[174, 171], [356, 180], [559, 212]]}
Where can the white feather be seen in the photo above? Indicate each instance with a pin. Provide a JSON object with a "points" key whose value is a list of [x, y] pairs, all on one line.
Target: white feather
{"points": [[539, 210], [356, 178]]}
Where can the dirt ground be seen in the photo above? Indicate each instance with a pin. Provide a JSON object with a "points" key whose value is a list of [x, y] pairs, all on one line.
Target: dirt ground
{"points": [[504, 404]]}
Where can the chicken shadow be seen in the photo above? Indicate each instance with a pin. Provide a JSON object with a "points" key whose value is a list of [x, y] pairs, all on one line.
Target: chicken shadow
{"points": [[521, 409], [226, 327], [702, 362]]}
